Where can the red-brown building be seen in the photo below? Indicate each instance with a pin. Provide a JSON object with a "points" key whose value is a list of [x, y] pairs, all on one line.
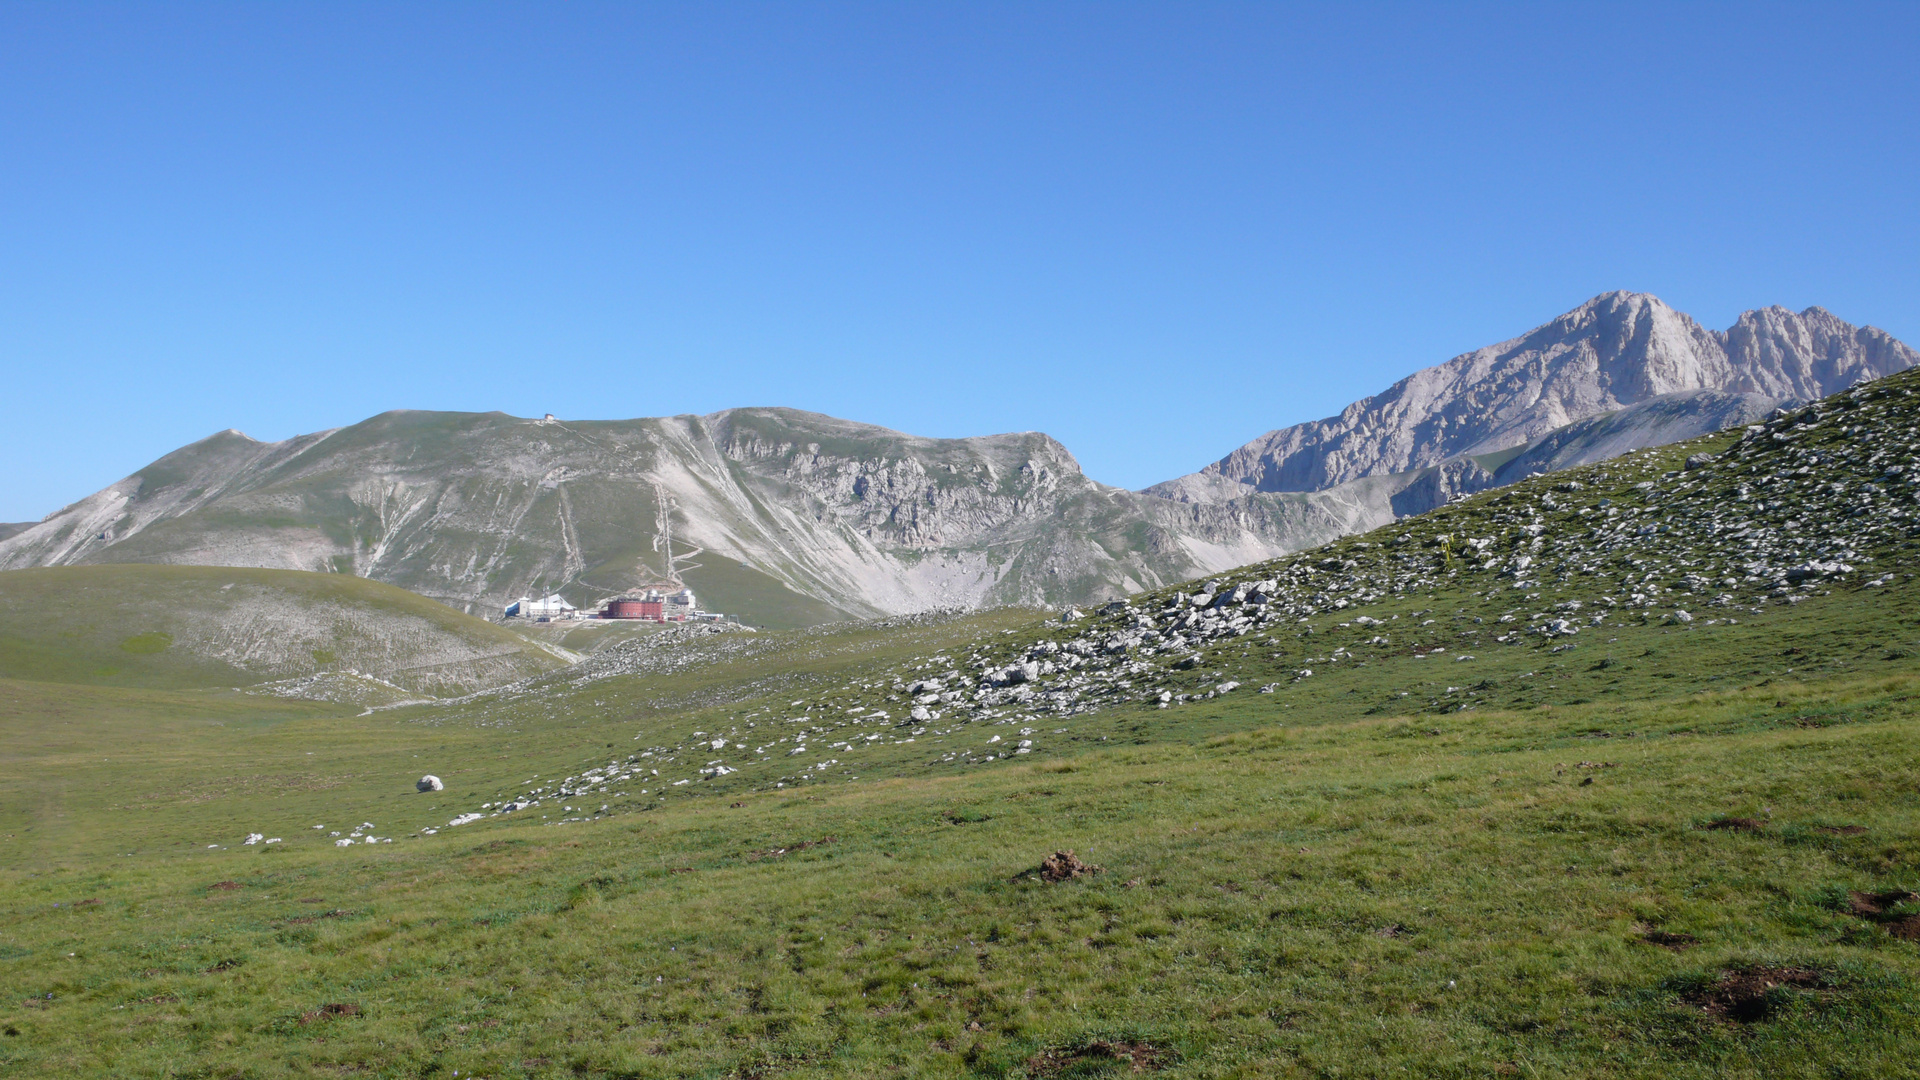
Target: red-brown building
{"points": [[630, 608]]}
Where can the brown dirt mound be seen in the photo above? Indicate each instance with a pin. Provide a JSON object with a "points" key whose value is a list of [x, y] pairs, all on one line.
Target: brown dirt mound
{"points": [[1841, 830], [226, 886], [1875, 905], [1745, 995], [1391, 930], [336, 913], [1060, 866], [329, 1011], [1667, 940], [774, 853], [1742, 824], [1136, 1057]]}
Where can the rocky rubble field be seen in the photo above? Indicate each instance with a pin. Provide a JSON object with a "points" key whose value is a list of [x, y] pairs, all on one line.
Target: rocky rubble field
{"points": [[1812, 500], [1699, 534]]}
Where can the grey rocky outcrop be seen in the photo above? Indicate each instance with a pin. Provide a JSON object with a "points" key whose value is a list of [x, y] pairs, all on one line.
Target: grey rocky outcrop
{"points": [[817, 519], [1614, 352]]}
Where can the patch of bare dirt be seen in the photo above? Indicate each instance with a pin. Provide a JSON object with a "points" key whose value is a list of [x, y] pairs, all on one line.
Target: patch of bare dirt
{"points": [[775, 853], [1060, 866], [1136, 1057], [1392, 930], [330, 1011], [1877, 905], [336, 913], [224, 965], [1748, 995], [225, 886], [1669, 940], [1738, 824]]}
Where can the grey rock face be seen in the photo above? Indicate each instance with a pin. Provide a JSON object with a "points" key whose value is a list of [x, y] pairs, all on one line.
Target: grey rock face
{"points": [[810, 518], [1613, 352], [781, 510]]}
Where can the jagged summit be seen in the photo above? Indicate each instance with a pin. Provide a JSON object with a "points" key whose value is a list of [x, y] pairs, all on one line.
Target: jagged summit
{"points": [[793, 517], [1616, 350]]}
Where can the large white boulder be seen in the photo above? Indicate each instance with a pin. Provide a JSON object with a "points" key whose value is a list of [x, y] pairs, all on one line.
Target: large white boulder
{"points": [[429, 782]]}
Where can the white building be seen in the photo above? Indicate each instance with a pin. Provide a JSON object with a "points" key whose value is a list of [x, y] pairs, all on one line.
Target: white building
{"points": [[549, 607]]}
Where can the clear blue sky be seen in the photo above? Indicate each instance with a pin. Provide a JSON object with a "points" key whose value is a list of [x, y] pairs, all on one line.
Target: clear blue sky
{"points": [[1152, 231]]}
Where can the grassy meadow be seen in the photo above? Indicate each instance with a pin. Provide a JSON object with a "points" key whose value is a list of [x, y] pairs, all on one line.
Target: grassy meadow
{"points": [[1682, 851]]}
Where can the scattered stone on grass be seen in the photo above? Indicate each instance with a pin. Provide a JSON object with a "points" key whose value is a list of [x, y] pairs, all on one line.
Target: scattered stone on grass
{"points": [[775, 853]]}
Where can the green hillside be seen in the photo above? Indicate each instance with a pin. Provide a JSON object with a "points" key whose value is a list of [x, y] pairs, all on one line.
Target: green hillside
{"points": [[1489, 835], [178, 627]]}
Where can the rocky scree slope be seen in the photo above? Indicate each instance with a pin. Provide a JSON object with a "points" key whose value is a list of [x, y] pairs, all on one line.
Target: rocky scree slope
{"points": [[784, 513], [1811, 501], [1619, 351]]}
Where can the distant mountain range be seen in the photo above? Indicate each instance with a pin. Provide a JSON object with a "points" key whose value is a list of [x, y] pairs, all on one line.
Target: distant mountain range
{"points": [[792, 518], [1618, 351]]}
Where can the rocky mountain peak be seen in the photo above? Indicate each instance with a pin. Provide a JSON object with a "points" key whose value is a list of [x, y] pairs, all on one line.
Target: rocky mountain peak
{"points": [[1617, 350]]}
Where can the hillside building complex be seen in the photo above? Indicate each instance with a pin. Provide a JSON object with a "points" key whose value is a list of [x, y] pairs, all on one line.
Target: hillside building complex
{"points": [[549, 607], [654, 606]]}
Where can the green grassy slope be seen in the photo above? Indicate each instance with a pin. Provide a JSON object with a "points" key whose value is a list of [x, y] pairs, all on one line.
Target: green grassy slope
{"points": [[1314, 892], [186, 626], [1541, 861], [729, 586]]}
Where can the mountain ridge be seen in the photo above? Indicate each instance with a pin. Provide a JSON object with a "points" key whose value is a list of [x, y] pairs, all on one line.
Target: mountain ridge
{"points": [[788, 517], [789, 508], [1616, 350]]}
